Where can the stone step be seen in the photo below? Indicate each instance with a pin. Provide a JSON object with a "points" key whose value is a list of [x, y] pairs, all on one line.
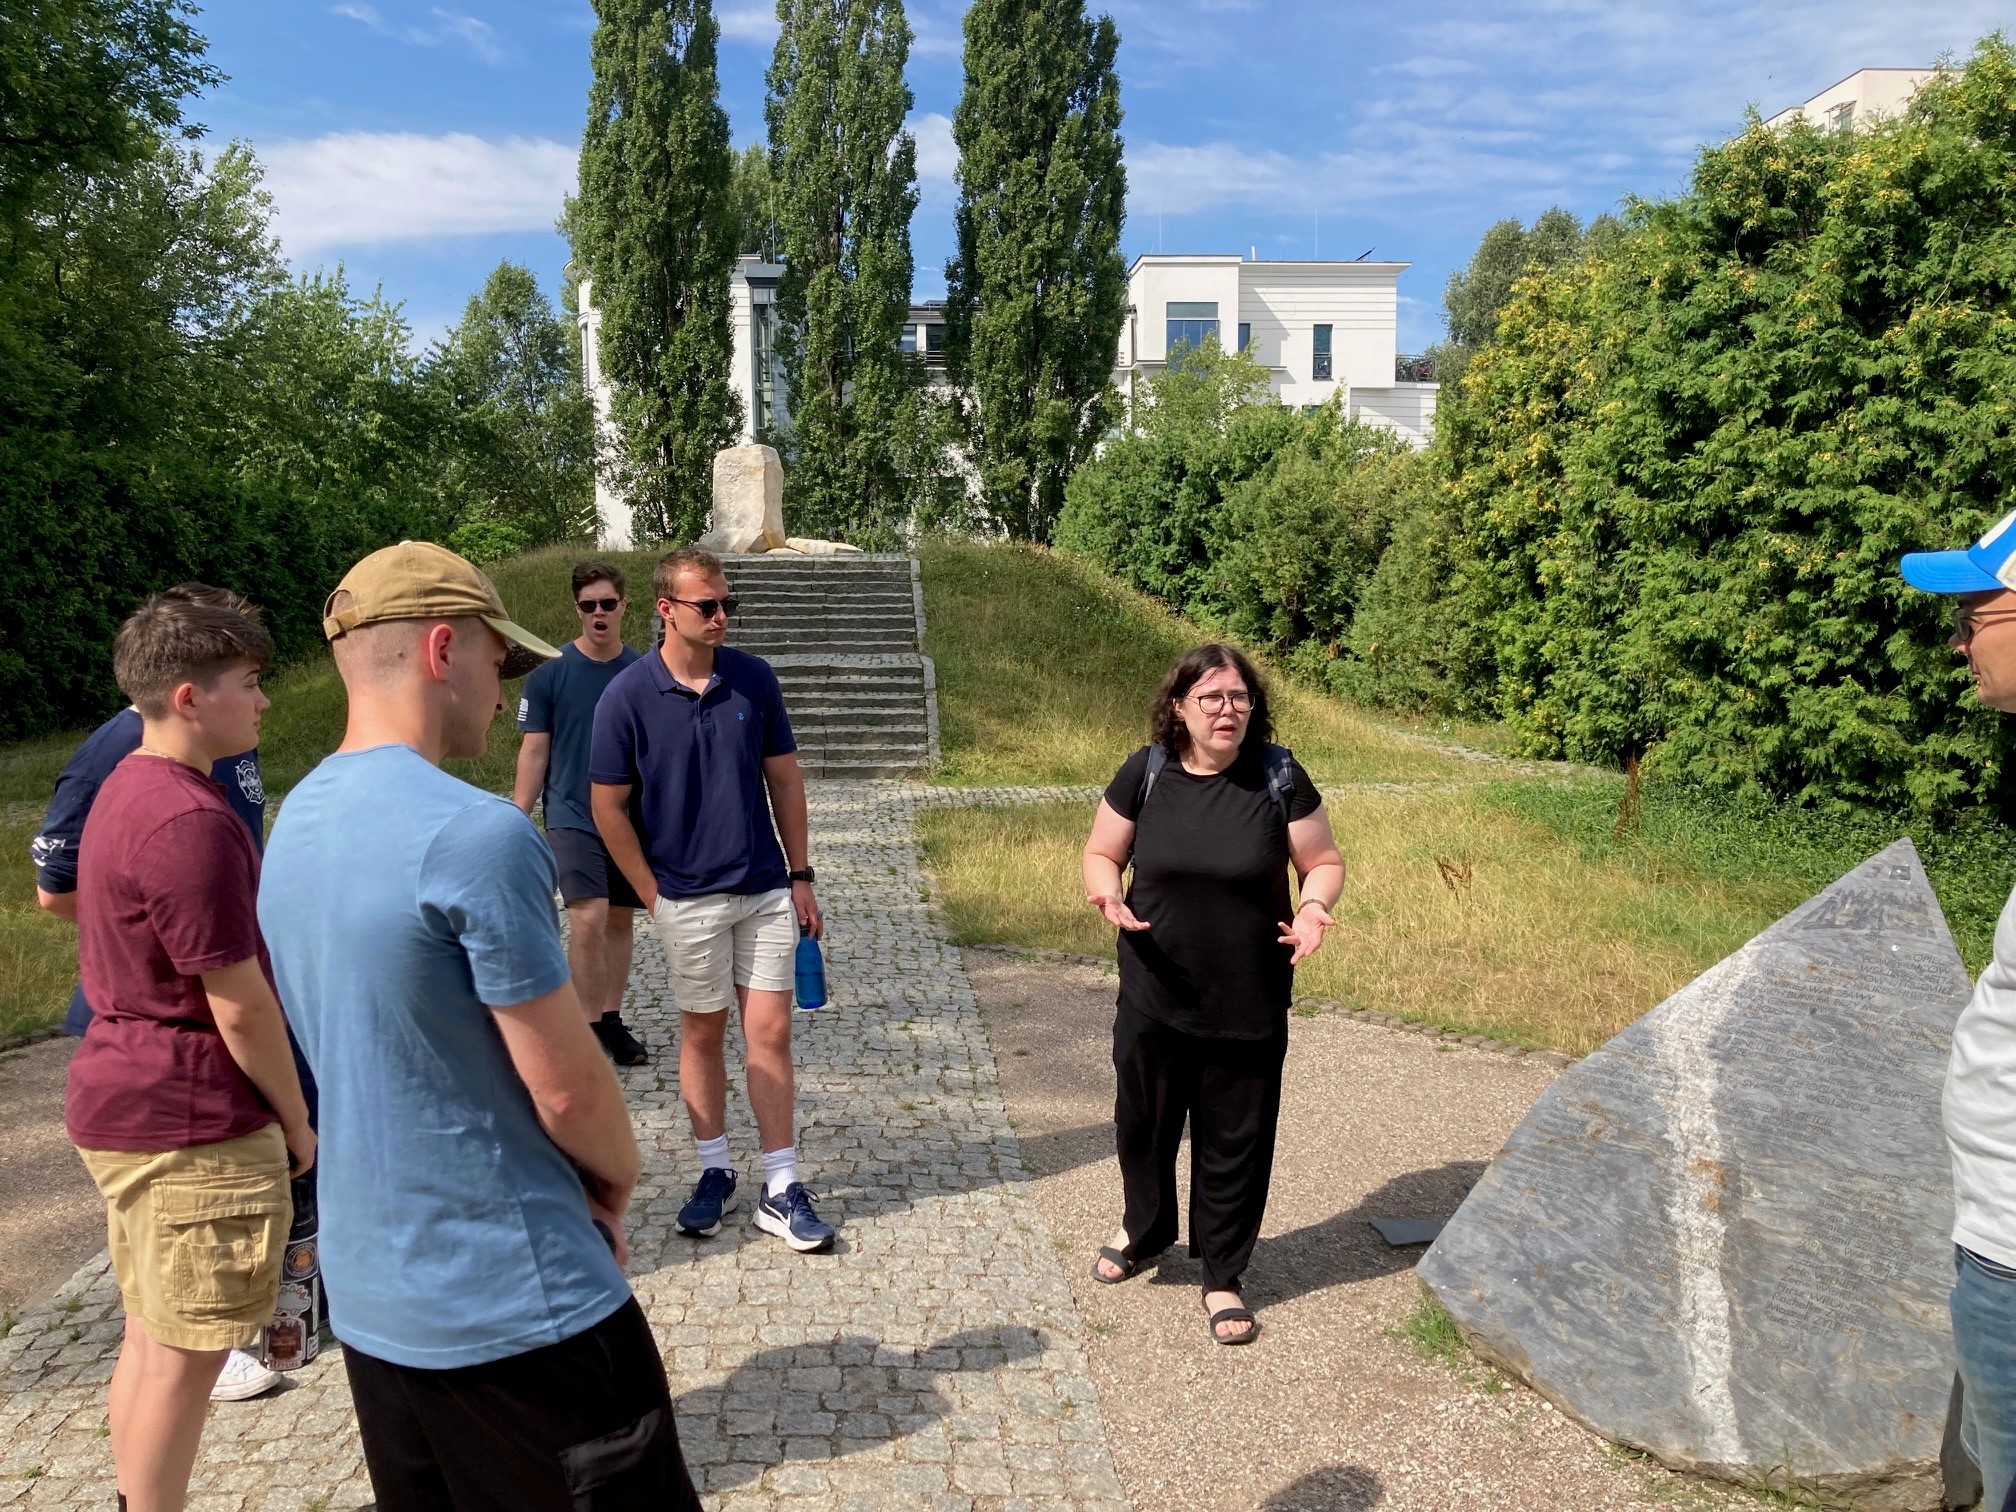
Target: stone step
{"points": [[826, 603], [823, 619], [837, 737], [855, 643]]}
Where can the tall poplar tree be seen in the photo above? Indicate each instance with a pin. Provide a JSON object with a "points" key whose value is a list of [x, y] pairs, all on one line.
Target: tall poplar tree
{"points": [[1037, 291], [655, 227], [846, 174]]}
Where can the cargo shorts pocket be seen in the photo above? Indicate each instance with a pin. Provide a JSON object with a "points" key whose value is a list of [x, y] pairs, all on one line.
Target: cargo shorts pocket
{"points": [[636, 1467], [224, 1246]]}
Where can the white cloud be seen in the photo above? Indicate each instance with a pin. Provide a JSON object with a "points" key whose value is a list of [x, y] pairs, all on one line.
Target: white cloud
{"points": [[748, 23], [357, 187], [446, 26], [937, 157]]}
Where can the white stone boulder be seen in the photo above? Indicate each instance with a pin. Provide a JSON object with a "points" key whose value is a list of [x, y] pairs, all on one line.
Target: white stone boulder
{"points": [[748, 500]]}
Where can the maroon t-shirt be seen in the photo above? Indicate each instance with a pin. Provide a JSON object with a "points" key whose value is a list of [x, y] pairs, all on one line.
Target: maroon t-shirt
{"points": [[167, 889]]}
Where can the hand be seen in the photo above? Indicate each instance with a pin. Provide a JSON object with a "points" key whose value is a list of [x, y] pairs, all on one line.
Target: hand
{"points": [[610, 1223], [1118, 914], [807, 908], [1305, 930], [300, 1149]]}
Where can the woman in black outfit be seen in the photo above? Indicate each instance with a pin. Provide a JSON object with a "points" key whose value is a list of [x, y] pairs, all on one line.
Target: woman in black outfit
{"points": [[1208, 947]]}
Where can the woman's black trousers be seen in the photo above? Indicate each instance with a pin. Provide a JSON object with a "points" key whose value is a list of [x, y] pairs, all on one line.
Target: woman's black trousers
{"points": [[1230, 1091]]}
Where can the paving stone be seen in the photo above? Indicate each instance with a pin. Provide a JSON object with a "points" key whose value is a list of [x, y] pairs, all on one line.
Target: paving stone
{"points": [[836, 1381]]}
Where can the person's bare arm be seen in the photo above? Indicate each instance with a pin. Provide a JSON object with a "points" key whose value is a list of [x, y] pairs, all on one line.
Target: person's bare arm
{"points": [[63, 905], [609, 803], [248, 1017], [577, 1097], [535, 750], [785, 779], [1320, 866], [1106, 854]]}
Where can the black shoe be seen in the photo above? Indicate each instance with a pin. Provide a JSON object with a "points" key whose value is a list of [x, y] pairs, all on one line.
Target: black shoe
{"points": [[619, 1042]]}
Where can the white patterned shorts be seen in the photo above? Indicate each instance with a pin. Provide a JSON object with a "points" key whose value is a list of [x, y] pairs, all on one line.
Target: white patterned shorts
{"points": [[721, 941]]}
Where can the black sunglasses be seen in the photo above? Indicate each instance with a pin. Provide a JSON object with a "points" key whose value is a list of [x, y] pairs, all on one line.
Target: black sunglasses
{"points": [[707, 607], [598, 606]]}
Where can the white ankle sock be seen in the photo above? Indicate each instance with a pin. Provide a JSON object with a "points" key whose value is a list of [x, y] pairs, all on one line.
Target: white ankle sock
{"points": [[713, 1154], [780, 1169]]}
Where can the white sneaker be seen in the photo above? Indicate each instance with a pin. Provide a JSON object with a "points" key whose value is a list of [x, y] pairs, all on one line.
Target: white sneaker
{"points": [[242, 1377]]}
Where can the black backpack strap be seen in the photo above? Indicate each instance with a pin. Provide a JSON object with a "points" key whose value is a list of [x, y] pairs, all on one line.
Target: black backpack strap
{"points": [[1158, 758], [1280, 766]]}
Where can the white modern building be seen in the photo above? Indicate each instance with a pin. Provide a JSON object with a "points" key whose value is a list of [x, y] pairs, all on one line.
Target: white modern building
{"points": [[1318, 329], [1865, 95], [612, 510], [757, 370]]}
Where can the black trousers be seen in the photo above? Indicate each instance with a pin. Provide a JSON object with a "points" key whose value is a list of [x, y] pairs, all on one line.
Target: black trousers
{"points": [[584, 1425], [1230, 1091]]}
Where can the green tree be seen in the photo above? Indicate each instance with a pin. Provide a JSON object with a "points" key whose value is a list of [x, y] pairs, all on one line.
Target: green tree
{"points": [[847, 169], [521, 458], [1037, 292], [1509, 252], [654, 227]]}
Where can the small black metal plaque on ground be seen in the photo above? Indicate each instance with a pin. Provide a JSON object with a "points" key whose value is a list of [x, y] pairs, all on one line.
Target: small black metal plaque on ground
{"points": [[1401, 1232], [1724, 1238]]}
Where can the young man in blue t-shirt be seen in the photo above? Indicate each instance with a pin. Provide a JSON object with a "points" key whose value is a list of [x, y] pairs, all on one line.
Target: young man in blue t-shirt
{"points": [[556, 717], [695, 739], [477, 1159]]}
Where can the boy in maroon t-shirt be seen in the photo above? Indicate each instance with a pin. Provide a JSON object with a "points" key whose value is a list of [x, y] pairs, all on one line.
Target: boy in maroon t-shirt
{"points": [[183, 1099]]}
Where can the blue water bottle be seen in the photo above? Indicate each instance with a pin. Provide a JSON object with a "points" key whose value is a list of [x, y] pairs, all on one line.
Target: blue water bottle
{"points": [[811, 973]]}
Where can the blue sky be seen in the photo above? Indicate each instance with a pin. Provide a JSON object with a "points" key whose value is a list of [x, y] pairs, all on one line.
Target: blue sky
{"points": [[418, 144]]}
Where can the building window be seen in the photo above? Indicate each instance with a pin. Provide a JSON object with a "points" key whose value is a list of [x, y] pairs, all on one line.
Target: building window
{"points": [[907, 342], [1190, 322], [1842, 116], [1321, 367], [1245, 334], [934, 345]]}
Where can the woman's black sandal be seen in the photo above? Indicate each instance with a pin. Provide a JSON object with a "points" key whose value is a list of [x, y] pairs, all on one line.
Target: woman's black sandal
{"points": [[1115, 1257], [1233, 1315]]}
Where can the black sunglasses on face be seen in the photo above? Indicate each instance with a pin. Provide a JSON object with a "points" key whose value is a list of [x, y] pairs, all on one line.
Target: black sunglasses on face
{"points": [[708, 607], [598, 606]]}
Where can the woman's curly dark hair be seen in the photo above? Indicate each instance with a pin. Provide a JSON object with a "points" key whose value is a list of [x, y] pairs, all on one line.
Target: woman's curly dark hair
{"points": [[1164, 725]]}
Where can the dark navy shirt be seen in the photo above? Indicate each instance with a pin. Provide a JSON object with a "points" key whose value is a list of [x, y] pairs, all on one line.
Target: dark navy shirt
{"points": [[694, 762], [55, 849], [559, 700]]}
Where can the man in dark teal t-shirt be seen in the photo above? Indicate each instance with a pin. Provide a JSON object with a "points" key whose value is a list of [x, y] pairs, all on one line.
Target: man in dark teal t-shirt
{"points": [[556, 717]]}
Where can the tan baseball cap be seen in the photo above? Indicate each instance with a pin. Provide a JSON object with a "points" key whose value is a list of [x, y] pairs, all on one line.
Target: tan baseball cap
{"points": [[419, 580]]}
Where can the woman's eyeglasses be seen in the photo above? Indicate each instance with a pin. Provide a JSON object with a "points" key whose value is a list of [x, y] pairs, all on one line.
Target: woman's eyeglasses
{"points": [[598, 606], [708, 608], [1216, 703]]}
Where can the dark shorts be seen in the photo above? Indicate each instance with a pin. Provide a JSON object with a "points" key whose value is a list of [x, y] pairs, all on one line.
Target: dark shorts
{"points": [[584, 1425], [586, 872]]}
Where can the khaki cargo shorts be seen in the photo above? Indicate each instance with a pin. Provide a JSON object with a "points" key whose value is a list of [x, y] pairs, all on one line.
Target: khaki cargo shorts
{"points": [[721, 941], [197, 1236]]}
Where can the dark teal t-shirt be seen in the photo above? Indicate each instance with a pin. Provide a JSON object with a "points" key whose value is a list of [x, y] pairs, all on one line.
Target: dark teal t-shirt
{"points": [[560, 700]]}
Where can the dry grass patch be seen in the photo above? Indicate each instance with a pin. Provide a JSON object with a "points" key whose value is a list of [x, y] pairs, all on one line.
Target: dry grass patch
{"points": [[1456, 913], [1046, 666]]}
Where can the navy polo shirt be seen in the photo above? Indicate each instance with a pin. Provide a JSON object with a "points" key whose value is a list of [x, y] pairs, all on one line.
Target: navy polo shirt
{"points": [[694, 764]]}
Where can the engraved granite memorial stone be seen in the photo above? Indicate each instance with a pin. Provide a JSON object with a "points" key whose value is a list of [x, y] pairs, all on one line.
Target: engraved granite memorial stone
{"points": [[1724, 1237]]}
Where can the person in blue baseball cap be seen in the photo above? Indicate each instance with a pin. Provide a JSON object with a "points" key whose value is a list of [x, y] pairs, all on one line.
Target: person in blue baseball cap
{"points": [[1980, 1098]]}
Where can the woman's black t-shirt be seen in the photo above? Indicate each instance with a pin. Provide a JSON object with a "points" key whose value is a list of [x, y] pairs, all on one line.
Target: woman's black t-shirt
{"points": [[1211, 881]]}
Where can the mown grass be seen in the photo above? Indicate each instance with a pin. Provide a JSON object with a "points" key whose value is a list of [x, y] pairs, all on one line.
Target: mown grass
{"points": [[1046, 668], [38, 957]]}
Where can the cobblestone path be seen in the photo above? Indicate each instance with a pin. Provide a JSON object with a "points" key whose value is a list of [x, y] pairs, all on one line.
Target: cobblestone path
{"points": [[933, 1360]]}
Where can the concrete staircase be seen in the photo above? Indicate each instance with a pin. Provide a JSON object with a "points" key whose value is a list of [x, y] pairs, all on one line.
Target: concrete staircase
{"points": [[846, 635]]}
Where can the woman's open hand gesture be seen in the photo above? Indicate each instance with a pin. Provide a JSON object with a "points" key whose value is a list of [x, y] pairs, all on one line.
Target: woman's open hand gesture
{"points": [[1305, 930], [1118, 914]]}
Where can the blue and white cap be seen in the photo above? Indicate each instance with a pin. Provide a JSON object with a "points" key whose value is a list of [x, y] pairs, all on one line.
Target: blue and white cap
{"points": [[1989, 564]]}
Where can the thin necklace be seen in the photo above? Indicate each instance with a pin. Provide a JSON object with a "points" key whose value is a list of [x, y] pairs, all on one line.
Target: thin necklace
{"points": [[147, 750]]}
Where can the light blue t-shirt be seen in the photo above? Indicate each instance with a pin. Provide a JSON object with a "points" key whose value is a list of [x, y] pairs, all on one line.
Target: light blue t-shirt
{"points": [[397, 901]]}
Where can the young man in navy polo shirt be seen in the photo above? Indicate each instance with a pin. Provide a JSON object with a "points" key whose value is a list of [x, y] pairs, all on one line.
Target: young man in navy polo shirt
{"points": [[556, 717], [693, 744]]}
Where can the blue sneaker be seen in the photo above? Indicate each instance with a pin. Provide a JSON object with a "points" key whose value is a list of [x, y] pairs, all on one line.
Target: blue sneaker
{"points": [[715, 1195], [790, 1217]]}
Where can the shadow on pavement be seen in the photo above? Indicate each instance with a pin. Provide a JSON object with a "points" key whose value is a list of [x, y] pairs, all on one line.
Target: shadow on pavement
{"points": [[1340, 1488], [833, 1397]]}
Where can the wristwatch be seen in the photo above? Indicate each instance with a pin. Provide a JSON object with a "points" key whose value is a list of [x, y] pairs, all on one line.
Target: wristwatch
{"points": [[800, 876]]}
